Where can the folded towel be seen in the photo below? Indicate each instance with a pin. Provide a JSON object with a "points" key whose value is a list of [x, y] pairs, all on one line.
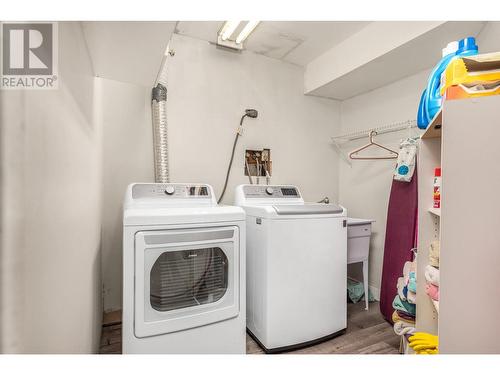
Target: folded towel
{"points": [[412, 282], [401, 286], [394, 316], [405, 316], [407, 308], [434, 254], [413, 265], [411, 297], [398, 316], [432, 275], [402, 328], [432, 291], [406, 272]]}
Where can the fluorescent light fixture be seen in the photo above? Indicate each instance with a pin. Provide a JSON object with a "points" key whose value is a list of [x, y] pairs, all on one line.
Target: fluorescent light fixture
{"points": [[226, 37], [228, 29], [247, 30]]}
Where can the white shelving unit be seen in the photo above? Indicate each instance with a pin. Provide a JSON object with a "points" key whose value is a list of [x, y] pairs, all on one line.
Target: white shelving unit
{"points": [[463, 141], [429, 157], [436, 305], [435, 211]]}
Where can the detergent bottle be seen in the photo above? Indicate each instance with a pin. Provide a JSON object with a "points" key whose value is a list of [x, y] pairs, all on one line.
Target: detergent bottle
{"points": [[431, 99], [422, 122]]}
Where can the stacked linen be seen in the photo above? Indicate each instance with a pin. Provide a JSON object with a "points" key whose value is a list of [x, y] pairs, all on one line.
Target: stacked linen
{"points": [[432, 279], [422, 342], [403, 325], [404, 303], [432, 272], [434, 254]]}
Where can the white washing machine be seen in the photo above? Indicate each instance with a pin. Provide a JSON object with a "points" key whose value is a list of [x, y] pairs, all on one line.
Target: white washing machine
{"points": [[296, 267], [183, 271]]}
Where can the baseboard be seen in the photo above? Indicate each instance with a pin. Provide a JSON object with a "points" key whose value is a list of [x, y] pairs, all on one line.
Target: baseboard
{"points": [[112, 318], [375, 292]]}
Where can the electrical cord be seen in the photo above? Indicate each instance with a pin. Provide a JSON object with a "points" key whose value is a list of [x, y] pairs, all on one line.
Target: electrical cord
{"points": [[238, 134], [248, 172], [268, 176], [258, 169]]}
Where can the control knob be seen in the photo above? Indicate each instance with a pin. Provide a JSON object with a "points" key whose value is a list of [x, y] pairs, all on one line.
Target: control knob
{"points": [[269, 191], [169, 190]]}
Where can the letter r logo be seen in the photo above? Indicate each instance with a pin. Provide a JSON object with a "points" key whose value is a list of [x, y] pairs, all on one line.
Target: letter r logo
{"points": [[27, 48]]}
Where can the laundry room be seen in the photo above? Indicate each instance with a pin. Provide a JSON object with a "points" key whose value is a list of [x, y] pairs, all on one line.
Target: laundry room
{"points": [[294, 184]]}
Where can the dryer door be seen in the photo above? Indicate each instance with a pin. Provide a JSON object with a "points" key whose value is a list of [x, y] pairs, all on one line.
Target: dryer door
{"points": [[185, 278]]}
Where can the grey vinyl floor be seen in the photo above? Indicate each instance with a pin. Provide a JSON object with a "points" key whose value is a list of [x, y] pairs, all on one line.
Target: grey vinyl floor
{"points": [[367, 333]]}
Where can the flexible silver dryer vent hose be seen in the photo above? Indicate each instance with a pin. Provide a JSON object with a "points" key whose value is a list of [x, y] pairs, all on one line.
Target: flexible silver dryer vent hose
{"points": [[160, 134]]}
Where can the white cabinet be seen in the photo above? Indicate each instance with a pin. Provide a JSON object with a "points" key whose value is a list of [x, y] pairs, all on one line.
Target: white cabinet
{"points": [[467, 225]]}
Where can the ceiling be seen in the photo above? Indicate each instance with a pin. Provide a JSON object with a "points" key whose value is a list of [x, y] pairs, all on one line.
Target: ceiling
{"points": [[127, 51], [412, 56], [132, 51], [296, 42]]}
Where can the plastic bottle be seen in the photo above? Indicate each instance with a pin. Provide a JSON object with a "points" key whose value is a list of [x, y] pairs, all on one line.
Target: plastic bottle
{"points": [[431, 99], [437, 188], [434, 99]]}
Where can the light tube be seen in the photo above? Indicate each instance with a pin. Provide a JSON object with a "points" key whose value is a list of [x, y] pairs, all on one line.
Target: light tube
{"points": [[249, 27], [228, 29]]}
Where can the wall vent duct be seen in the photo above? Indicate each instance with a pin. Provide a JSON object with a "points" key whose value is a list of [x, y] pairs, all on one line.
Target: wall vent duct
{"points": [[160, 133], [159, 117]]}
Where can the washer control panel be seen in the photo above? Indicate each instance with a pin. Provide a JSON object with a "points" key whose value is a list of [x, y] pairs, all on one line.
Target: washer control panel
{"points": [[175, 191], [271, 191]]}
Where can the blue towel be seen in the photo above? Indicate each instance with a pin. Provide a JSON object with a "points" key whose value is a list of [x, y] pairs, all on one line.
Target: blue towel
{"points": [[404, 306], [412, 282]]}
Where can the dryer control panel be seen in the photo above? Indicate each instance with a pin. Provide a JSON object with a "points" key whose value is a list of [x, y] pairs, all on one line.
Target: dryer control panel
{"points": [[271, 191], [171, 190]]}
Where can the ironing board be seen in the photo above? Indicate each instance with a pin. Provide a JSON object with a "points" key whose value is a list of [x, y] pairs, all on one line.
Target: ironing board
{"points": [[400, 238]]}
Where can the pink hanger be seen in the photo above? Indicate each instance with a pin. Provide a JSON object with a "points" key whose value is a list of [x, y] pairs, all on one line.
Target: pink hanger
{"points": [[353, 154]]}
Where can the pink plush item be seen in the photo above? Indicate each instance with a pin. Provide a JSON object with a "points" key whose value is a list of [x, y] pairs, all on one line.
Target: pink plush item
{"points": [[432, 291]]}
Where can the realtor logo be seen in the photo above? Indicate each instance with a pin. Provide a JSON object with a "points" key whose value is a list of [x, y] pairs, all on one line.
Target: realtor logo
{"points": [[29, 56]]}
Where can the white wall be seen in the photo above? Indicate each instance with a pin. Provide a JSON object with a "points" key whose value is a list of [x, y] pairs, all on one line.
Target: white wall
{"points": [[50, 217], [208, 91], [210, 88], [127, 157], [365, 187], [488, 39]]}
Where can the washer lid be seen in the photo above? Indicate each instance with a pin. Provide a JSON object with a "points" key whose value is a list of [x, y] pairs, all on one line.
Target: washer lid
{"points": [[295, 211], [307, 209]]}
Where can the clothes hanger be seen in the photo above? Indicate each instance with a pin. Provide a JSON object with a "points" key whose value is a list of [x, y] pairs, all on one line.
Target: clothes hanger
{"points": [[392, 154]]}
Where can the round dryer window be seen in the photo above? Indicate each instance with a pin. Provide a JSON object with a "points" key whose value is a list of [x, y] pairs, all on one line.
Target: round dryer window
{"points": [[181, 279]]}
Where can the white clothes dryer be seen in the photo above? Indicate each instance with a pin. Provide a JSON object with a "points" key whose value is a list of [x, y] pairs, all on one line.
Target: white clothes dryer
{"points": [[183, 271]]}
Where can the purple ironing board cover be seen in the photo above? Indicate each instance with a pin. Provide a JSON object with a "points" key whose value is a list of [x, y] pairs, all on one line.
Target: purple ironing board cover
{"points": [[400, 238]]}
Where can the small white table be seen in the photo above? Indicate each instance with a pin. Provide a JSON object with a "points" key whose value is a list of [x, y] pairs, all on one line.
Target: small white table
{"points": [[358, 246]]}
